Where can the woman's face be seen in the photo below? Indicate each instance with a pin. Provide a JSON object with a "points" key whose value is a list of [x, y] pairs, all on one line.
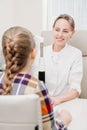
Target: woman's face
{"points": [[62, 32]]}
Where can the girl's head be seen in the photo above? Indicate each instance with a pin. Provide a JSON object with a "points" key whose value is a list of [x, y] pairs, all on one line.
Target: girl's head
{"points": [[17, 45], [63, 29]]}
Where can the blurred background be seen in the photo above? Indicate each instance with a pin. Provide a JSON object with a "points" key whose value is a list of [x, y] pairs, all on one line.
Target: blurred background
{"points": [[38, 15]]}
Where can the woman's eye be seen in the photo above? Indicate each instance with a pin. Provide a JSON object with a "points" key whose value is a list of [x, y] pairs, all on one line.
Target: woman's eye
{"points": [[57, 30], [66, 31]]}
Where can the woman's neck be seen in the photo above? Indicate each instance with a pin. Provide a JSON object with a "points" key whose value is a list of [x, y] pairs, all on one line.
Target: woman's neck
{"points": [[57, 48]]}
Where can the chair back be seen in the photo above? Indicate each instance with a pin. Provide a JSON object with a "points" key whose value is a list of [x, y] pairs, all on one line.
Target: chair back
{"points": [[21, 112]]}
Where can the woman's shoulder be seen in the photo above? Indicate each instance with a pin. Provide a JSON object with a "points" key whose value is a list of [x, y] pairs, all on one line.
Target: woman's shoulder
{"points": [[74, 50]]}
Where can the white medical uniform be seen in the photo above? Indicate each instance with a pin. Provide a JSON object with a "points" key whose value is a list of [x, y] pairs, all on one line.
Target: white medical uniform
{"points": [[63, 69]]}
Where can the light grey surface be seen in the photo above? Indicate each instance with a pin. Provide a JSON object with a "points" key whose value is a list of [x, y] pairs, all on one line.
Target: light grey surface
{"points": [[78, 109]]}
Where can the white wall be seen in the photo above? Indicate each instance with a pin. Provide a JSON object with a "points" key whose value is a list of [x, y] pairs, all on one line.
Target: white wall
{"points": [[6, 15], [26, 13]]}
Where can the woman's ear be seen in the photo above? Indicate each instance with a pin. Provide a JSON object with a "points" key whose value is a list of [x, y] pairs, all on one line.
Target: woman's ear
{"points": [[72, 33], [32, 54]]}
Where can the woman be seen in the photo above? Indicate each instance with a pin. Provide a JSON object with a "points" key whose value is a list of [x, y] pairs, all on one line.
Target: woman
{"points": [[63, 63], [19, 52]]}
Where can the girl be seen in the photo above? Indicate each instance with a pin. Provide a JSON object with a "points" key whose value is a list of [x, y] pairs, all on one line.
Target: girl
{"points": [[19, 52]]}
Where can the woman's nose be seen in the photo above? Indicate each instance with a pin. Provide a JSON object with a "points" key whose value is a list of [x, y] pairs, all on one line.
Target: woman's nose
{"points": [[60, 33]]}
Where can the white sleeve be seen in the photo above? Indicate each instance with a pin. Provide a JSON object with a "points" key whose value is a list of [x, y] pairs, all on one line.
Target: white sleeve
{"points": [[76, 73]]}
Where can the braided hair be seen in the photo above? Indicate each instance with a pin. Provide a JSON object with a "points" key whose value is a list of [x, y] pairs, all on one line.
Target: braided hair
{"points": [[17, 43]]}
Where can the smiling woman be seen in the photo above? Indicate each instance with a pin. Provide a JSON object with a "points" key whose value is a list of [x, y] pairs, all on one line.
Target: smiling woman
{"points": [[63, 63], [77, 107]]}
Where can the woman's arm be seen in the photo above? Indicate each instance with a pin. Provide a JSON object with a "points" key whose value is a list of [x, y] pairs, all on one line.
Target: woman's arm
{"points": [[65, 97], [74, 81]]}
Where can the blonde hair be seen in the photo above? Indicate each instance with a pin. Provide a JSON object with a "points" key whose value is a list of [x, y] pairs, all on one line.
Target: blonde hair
{"points": [[66, 17], [17, 43]]}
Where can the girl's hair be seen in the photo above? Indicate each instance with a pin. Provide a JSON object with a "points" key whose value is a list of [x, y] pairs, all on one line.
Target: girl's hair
{"points": [[66, 17], [17, 43]]}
